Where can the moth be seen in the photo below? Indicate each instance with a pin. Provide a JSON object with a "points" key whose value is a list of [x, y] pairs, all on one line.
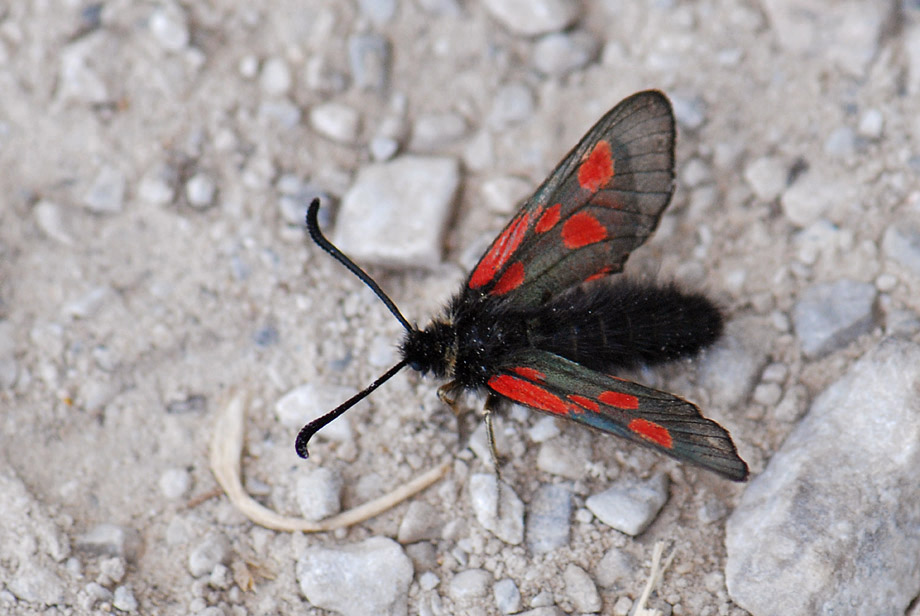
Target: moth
{"points": [[544, 321]]}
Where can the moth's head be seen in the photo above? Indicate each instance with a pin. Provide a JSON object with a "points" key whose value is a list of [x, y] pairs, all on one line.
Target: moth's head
{"points": [[431, 349]]}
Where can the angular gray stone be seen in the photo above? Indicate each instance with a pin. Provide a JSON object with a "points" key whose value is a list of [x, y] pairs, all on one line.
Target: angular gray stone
{"points": [[470, 584], [581, 589], [630, 506], [369, 57], [499, 511], [830, 315], [395, 212], [901, 242], [319, 493], [507, 596], [549, 518], [832, 525], [731, 368], [370, 577], [422, 521]]}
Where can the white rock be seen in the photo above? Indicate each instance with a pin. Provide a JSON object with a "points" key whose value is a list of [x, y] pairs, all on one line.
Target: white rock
{"points": [[395, 212], [336, 121], [532, 17], [767, 177], [371, 577], [275, 78], [630, 506]]}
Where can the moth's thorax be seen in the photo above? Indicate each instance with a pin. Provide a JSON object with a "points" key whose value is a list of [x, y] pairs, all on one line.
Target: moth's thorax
{"points": [[466, 343], [432, 349]]}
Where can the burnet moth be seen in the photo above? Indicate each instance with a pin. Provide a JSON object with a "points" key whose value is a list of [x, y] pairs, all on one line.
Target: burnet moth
{"points": [[542, 322]]}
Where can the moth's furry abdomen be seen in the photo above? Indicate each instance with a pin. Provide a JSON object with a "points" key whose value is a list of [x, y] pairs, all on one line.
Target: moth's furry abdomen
{"points": [[622, 324]]}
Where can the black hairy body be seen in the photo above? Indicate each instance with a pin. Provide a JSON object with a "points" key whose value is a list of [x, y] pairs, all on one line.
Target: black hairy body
{"points": [[602, 325]]}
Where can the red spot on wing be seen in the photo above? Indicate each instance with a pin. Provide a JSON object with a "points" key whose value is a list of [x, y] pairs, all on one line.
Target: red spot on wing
{"points": [[587, 403], [527, 393], [529, 373], [582, 229], [599, 274], [621, 401], [651, 431], [549, 219], [500, 252], [597, 169], [510, 280]]}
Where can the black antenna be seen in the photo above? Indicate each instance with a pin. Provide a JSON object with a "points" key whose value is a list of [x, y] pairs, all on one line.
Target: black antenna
{"points": [[317, 236], [307, 432]]}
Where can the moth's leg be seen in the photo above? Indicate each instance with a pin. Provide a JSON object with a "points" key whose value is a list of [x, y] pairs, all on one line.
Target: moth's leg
{"points": [[447, 394], [487, 411]]}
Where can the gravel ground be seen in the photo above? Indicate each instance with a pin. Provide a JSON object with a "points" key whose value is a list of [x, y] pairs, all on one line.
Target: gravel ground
{"points": [[157, 159]]}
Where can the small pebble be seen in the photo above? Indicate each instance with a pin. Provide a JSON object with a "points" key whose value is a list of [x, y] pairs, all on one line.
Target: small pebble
{"points": [[901, 242], [336, 121], [248, 66], [111, 571], [220, 577], [614, 569], [275, 78], [369, 57], [319, 493], [549, 518], [560, 457], [383, 148], [561, 53], [830, 315], [695, 173], [421, 521], [88, 304], [504, 195], [214, 549], [470, 584], [841, 143], [533, 17], [377, 582], [123, 599], [169, 26], [94, 595], [111, 540], [434, 131], [504, 520], [428, 581], [690, 112], [767, 177], [544, 429], [378, 11], [731, 368], [158, 186], [280, 111], [507, 596], [630, 506], [581, 589], [871, 124], [512, 104], [767, 394], [200, 190], [48, 218], [303, 404], [107, 192], [412, 197], [175, 482], [810, 196]]}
